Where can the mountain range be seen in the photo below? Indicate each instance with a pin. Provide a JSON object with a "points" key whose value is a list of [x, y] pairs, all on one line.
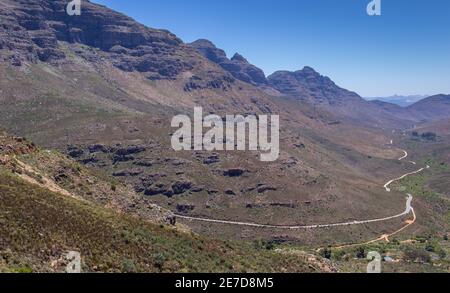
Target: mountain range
{"points": [[96, 93], [309, 86]]}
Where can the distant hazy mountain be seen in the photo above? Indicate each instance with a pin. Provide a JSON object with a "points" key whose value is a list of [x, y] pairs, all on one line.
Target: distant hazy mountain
{"points": [[403, 101], [425, 110]]}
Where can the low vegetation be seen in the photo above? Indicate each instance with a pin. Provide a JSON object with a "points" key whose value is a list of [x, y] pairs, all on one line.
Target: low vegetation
{"points": [[38, 227]]}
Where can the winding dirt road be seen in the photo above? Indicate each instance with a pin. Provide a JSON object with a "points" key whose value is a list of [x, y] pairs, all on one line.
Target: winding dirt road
{"points": [[47, 183], [404, 156], [386, 186], [409, 209], [384, 237], [306, 227]]}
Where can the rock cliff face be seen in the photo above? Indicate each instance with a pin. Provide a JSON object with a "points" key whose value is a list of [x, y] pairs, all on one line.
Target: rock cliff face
{"points": [[32, 29], [238, 66]]}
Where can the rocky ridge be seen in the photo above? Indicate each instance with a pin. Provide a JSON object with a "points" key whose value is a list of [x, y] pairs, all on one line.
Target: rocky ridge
{"points": [[238, 66]]}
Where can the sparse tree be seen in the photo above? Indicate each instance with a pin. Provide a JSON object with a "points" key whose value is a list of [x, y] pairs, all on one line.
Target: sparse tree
{"points": [[431, 136], [360, 252], [325, 253]]}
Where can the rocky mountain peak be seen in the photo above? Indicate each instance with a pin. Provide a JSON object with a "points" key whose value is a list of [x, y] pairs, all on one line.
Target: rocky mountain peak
{"points": [[311, 76], [203, 43], [209, 51], [239, 58], [309, 70], [238, 66], [309, 85]]}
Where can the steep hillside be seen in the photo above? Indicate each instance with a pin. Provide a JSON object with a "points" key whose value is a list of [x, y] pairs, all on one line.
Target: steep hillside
{"points": [[44, 216], [57, 173], [40, 226]]}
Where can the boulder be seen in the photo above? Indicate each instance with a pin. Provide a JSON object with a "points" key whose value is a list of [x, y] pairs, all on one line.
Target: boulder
{"points": [[236, 172], [181, 187], [127, 173], [75, 152], [229, 192], [264, 188], [185, 208]]}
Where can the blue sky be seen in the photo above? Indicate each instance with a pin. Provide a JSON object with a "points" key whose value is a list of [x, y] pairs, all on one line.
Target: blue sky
{"points": [[405, 51]]}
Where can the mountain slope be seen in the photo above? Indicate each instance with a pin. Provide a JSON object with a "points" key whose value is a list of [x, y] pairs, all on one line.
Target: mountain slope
{"points": [[309, 86], [43, 217], [57, 173], [429, 109], [432, 108], [395, 110], [40, 226]]}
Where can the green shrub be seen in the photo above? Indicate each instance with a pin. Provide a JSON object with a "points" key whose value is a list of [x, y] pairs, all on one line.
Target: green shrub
{"points": [[325, 253], [442, 253], [262, 244], [23, 270], [395, 241], [129, 266], [416, 255], [429, 136], [338, 255], [159, 260], [360, 252]]}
